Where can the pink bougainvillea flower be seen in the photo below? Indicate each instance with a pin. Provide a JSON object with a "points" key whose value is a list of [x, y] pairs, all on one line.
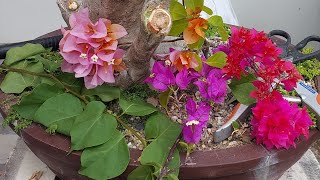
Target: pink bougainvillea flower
{"points": [[183, 59], [90, 49], [198, 116], [277, 123], [161, 77]]}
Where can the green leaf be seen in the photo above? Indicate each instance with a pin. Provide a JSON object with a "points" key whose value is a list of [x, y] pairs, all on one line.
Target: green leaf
{"points": [[141, 173], [178, 27], [20, 53], [197, 45], [199, 60], [207, 10], [194, 4], [174, 165], [17, 82], [105, 92], [163, 133], [106, 161], [136, 107], [217, 60], [30, 103], [92, 127], [216, 21], [49, 65], [177, 10], [72, 82], [164, 98], [242, 88], [223, 33], [235, 125], [60, 110]]}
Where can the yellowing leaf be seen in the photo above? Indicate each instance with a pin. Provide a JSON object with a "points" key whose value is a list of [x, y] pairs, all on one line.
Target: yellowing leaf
{"points": [[216, 21], [199, 60], [217, 60], [164, 98]]}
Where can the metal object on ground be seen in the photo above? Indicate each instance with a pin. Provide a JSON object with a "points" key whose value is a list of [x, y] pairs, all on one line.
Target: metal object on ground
{"points": [[239, 113], [294, 52]]}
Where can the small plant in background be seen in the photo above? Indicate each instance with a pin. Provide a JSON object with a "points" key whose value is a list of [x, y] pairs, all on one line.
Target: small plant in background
{"points": [[75, 95], [311, 68]]}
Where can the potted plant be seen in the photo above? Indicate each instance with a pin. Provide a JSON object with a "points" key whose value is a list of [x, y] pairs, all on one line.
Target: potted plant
{"points": [[104, 109]]}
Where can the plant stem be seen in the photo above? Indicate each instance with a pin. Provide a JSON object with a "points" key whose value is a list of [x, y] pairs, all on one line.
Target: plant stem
{"points": [[45, 75], [72, 92], [132, 131], [164, 171]]}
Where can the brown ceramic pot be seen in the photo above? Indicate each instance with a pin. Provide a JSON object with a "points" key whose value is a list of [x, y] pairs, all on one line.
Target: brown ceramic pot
{"points": [[244, 162]]}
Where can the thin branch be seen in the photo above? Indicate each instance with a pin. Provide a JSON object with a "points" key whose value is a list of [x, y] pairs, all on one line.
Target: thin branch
{"points": [[132, 131], [72, 92], [164, 171], [47, 76]]}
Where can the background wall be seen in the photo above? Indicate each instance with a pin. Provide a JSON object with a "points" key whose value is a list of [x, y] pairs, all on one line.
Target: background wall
{"points": [[300, 18], [23, 20]]}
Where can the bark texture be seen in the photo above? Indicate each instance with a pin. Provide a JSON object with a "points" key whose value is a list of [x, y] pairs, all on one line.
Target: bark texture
{"points": [[147, 23]]}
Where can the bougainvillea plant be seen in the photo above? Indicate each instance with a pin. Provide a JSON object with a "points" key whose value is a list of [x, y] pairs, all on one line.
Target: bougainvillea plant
{"points": [[76, 95]]}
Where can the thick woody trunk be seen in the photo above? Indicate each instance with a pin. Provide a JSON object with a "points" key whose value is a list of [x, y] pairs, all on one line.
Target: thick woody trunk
{"points": [[147, 23]]}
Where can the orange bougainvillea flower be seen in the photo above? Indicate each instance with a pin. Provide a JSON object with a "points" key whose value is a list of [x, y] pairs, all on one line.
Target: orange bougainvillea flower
{"points": [[195, 30], [183, 59]]}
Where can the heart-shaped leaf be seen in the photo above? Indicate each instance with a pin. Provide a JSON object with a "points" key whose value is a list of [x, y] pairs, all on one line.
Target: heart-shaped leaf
{"points": [[194, 4], [200, 65], [20, 53], [178, 27], [207, 10], [217, 60], [177, 10], [17, 82], [60, 110], [141, 173], [164, 98], [106, 161], [105, 92], [136, 107], [30, 103], [242, 88], [163, 133], [216, 21], [92, 127]]}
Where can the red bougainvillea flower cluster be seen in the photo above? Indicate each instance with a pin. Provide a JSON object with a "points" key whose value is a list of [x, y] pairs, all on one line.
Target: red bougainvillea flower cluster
{"points": [[275, 122], [90, 49], [178, 70]]}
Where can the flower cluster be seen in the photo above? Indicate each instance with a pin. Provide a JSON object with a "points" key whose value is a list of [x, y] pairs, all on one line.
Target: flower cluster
{"points": [[90, 49], [197, 120], [277, 123], [178, 69]]}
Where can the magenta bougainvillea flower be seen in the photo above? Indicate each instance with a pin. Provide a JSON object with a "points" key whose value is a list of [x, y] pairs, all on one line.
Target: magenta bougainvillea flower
{"points": [[277, 123], [198, 116], [161, 77], [212, 84], [90, 49]]}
